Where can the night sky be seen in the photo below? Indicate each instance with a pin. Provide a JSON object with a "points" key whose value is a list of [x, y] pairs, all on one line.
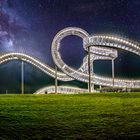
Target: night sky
{"points": [[29, 26]]}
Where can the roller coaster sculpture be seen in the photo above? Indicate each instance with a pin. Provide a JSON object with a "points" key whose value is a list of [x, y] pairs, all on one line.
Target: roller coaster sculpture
{"points": [[102, 47]]}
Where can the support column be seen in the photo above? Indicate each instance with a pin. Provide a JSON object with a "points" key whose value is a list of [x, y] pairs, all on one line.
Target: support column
{"points": [[56, 82], [92, 87], [22, 77], [113, 72], [89, 71]]}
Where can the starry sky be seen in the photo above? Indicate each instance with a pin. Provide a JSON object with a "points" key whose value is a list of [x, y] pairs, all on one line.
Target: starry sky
{"points": [[29, 26]]}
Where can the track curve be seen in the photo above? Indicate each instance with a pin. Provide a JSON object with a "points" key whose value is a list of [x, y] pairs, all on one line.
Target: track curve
{"points": [[35, 62], [94, 41], [102, 48]]}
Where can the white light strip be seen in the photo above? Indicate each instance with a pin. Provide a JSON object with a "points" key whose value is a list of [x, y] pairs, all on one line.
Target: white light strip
{"points": [[98, 52]]}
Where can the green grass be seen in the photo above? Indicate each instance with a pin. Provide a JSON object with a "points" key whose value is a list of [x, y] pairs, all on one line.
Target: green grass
{"points": [[98, 116]]}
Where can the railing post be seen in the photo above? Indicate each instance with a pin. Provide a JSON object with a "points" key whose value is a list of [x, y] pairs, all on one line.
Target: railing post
{"points": [[56, 82], [100, 87], [89, 71], [113, 72], [22, 77]]}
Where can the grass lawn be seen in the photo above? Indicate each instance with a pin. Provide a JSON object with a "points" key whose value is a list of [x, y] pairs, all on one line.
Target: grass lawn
{"points": [[101, 116]]}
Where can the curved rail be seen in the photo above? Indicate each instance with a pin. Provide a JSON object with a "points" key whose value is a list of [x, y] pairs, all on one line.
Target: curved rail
{"points": [[92, 42], [29, 59], [102, 47], [61, 89]]}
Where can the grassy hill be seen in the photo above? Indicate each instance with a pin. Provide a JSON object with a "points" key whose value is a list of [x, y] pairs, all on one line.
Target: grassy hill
{"points": [[98, 116]]}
